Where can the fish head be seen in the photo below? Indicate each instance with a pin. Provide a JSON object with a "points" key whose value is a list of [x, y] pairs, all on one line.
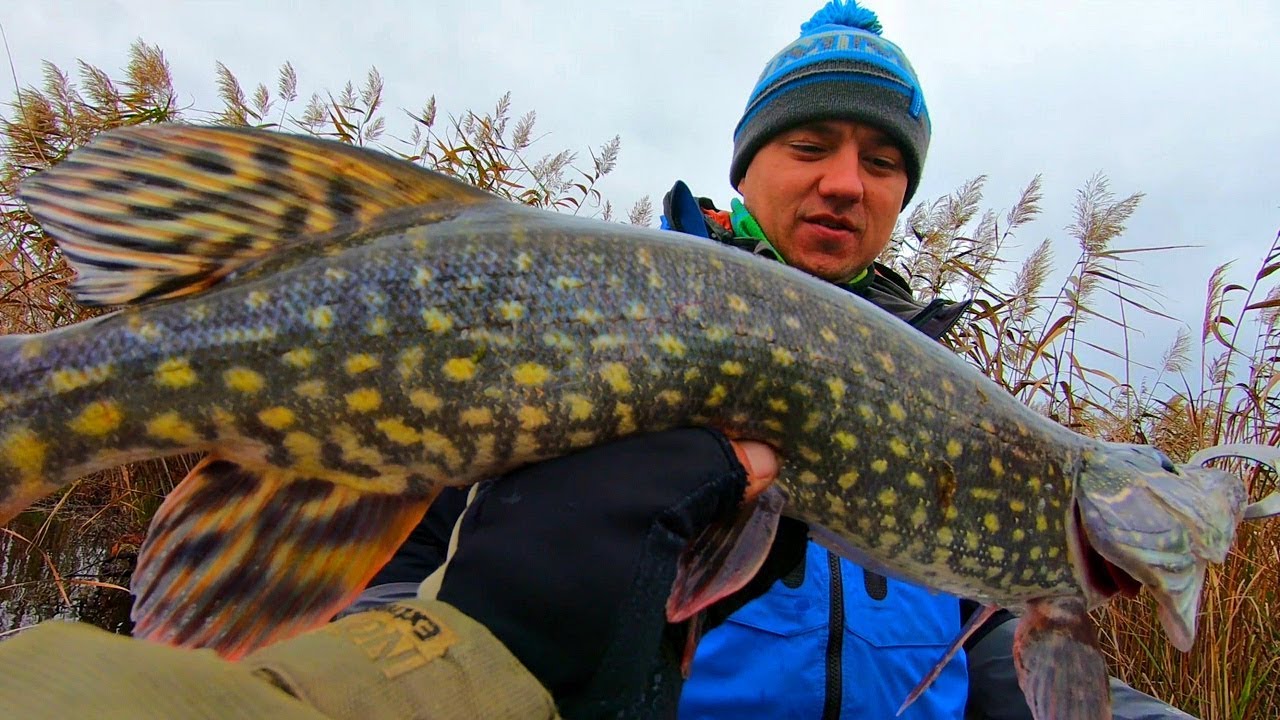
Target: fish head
{"points": [[1138, 520]]}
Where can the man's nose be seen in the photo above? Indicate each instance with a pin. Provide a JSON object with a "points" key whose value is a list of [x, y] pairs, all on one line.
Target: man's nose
{"points": [[842, 176]]}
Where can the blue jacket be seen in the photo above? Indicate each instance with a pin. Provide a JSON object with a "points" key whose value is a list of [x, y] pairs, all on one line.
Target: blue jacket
{"points": [[771, 658], [843, 643]]}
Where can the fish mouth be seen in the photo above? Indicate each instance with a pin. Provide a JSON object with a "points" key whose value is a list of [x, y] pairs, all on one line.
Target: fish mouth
{"points": [[1100, 578]]}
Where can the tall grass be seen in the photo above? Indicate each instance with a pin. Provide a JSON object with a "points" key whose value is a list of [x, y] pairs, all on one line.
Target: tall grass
{"points": [[1040, 342]]}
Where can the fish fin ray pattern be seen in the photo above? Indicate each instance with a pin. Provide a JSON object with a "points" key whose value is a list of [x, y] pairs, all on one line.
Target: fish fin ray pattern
{"points": [[148, 213], [238, 558]]}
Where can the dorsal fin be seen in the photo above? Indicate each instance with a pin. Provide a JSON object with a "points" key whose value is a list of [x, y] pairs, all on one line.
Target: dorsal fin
{"points": [[160, 211]]}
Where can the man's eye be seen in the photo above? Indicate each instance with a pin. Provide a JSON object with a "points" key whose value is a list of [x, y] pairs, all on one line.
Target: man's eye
{"points": [[884, 162], [806, 148]]}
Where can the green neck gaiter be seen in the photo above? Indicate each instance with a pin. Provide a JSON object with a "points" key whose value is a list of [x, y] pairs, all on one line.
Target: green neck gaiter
{"points": [[746, 226]]}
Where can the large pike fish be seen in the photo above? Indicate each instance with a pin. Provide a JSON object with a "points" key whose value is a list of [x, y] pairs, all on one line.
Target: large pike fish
{"points": [[345, 334]]}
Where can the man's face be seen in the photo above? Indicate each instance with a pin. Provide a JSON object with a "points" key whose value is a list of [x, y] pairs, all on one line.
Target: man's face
{"points": [[827, 195]]}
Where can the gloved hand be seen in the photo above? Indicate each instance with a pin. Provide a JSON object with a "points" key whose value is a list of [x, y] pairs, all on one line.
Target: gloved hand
{"points": [[570, 562]]}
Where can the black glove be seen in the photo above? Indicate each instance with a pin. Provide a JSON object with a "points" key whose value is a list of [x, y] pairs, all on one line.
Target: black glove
{"points": [[570, 562]]}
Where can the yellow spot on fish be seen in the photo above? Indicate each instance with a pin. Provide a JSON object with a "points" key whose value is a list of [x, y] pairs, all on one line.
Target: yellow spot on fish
{"points": [[773, 424], [242, 379], [523, 262], [335, 273], [608, 341], [1017, 506], [837, 388], [321, 317], [580, 408], [778, 404], [809, 454], [423, 276], [313, 389], [987, 426], [808, 477], [256, 300], [299, 357], [948, 387], [397, 431], [732, 367], [848, 480], [67, 380], [656, 281], [880, 465], [98, 418], [915, 479], [896, 412], [1019, 534], [919, 516], [886, 361], [23, 450], [670, 344], [1034, 484], [175, 373], [170, 426], [531, 373], [277, 417], [637, 311], [984, 494], [951, 513], [783, 356], [512, 310], [1035, 552], [532, 418], [991, 522], [441, 446], [792, 322], [1042, 523], [460, 368], [828, 334], [898, 447], [558, 340], [717, 395], [588, 316], [364, 400], [476, 417], [378, 326], [425, 401], [360, 362], [888, 497], [567, 282], [618, 377], [845, 440], [972, 540], [737, 304], [717, 333], [671, 397], [997, 467], [626, 417], [582, 438], [954, 448], [946, 536], [437, 322], [888, 521], [1053, 552]]}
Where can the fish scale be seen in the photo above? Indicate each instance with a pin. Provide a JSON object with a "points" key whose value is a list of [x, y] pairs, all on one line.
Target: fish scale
{"points": [[402, 332]]}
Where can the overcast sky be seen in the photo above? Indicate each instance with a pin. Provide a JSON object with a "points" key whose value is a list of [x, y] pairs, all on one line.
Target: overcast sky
{"points": [[1179, 100]]}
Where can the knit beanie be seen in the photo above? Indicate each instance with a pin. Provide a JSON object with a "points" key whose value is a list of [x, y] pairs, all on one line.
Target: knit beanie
{"points": [[838, 69]]}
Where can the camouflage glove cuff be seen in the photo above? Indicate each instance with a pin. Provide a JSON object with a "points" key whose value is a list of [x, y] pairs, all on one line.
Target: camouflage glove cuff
{"points": [[60, 670], [410, 659]]}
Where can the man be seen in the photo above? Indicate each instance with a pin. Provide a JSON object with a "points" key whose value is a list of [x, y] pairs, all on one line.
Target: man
{"points": [[552, 599]]}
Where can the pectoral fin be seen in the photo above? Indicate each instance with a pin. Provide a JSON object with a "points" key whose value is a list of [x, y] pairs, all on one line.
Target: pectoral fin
{"points": [[1060, 668], [238, 557], [725, 556]]}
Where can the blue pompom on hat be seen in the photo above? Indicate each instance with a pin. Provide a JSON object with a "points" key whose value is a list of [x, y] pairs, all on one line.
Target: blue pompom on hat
{"points": [[838, 69]]}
